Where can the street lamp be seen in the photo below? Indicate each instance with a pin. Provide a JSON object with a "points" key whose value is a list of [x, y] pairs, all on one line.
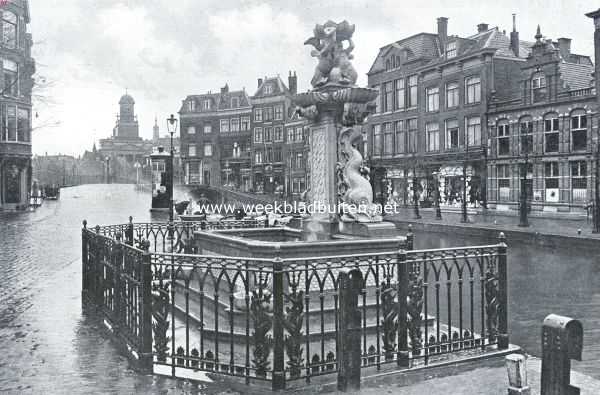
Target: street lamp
{"points": [[172, 128], [465, 219], [415, 183], [596, 208], [523, 221], [438, 210]]}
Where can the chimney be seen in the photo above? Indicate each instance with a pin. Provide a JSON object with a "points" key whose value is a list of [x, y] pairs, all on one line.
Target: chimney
{"points": [[260, 81], [293, 83], [564, 46], [225, 89], [482, 27], [514, 37], [442, 27]]}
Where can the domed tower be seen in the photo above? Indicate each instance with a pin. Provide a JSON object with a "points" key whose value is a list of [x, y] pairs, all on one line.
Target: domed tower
{"points": [[127, 124]]}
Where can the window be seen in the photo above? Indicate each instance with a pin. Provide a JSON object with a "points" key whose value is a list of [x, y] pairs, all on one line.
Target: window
{"points": [[400, 137], [279, 112], [191, 130], [23, 130], [290, 135], [11, 82], [192, 150], [268, 114], [503, 138], [269, 155], [234, 124], [298, 161], [268, 135], [298, 135], [452, 95], [433, 136], [503, 172], [452, 134], [278, 133], [388, 96], [235, 102], [298, 185], [237, 151], [9, 29], [473, 90], [245, 125], [579, 180], [258, 135], [208, 149], [378, 100], [224, 125], [268, 89], [258, 157], [579, 131], [551, 175], [551, 133], [377, 143], [473, 131], [11, 122], [206, 104], [412, 91], [538, 87], [258, 115], [412, 135], [433, 98], [277, 156], [400, 92], [192, 105], [388, 138], [207, 129], [451, 50], [526, 131]]}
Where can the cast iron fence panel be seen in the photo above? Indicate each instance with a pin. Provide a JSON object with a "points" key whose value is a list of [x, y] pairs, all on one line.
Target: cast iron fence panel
{"points": [[275, 320]]}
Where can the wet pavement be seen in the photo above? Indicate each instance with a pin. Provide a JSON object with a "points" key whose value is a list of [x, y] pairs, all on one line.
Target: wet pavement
{"points": [[48, 345]]}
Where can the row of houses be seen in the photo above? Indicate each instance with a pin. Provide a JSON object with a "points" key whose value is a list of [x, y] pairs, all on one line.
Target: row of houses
{"points": [[497, 110], [250, 143]]}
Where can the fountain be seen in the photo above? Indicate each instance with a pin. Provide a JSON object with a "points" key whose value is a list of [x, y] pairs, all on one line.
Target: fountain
{"points": [[340, 197]]}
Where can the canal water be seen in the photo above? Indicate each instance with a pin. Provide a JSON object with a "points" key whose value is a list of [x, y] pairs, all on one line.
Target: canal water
{"points": [[48, 345]]}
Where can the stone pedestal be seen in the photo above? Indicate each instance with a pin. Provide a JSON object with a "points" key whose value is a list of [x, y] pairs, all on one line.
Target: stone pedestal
{"points": [[368, 229]]}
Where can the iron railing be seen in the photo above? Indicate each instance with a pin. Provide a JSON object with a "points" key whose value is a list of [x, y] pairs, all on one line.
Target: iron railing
{"points": [[275, 320]]}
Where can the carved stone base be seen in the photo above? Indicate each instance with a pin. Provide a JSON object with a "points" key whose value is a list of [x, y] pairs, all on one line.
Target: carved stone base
{"points": [[368, 229]]}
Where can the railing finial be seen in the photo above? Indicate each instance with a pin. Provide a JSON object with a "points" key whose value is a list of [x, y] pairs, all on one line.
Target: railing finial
{"points": [[85, 224]]}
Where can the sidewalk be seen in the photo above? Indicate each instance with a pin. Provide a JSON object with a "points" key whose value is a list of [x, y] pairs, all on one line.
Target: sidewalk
{"points": [[500, 222]]}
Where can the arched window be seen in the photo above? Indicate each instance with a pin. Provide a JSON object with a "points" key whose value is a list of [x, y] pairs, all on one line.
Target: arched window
{"points": [[538, 87], [551, 132], [503, 137]]}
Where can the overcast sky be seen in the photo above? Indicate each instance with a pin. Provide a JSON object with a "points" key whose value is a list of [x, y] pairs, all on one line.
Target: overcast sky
{"points": [[90, 51]]}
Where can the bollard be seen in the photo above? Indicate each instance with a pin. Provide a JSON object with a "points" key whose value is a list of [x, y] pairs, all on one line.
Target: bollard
{"points": [[562, 340], [349, 331], [516, 366]]}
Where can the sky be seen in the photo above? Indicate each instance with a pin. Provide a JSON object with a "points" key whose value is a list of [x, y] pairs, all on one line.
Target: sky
{"points": [[88, 52]]}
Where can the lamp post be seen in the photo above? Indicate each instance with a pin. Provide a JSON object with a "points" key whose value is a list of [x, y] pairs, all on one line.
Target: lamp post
{"points": [[464, 218], [415, 183], [172, 128], [484, 181], [438, 210], [137, 172], [596, 208], [523, 221]]}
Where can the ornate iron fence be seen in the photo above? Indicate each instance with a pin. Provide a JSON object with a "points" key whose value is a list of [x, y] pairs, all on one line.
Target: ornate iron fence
{"points": [[275, 320]]}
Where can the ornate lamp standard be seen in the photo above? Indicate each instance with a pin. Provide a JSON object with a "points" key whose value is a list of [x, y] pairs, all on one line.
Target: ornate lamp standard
{"points": [[172, 128], [438, 210]]}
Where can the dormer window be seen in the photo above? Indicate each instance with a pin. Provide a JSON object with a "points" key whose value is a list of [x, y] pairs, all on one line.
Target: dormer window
{"points": [[451, 50], [538, 87], [206, 104], [392, 62], [235, 102], [268, 89], [191, 105]]}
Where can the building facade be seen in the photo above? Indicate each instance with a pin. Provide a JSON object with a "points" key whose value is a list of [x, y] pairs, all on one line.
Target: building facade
{"points": [[296, 156], [429, 128], [15, 105], [216, 131], [544, 137]]}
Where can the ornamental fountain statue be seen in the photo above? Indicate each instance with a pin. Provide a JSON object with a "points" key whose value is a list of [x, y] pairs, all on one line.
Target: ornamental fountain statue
{"points": [[337, 108]]}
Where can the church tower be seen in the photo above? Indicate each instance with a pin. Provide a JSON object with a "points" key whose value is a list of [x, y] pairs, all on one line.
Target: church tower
{"points": [[155, 131], [127, 124]]}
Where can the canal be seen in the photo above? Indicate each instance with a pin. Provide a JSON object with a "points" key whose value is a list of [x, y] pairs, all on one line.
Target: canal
{"points": [[44, 335]]}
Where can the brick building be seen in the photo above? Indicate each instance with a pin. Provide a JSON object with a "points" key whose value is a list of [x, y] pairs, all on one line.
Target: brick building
{"points": [[542, 137], [15, 105], [215, 139], [296, 156], [431, 111], [272, 108]]}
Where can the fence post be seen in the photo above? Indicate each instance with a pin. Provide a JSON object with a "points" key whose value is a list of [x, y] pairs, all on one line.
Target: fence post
{"points": [[145, 357], [502, 293], [117, 260], [349, 330], [402, 292], [278, 346], [84, 263], [98, 270], [410, 239], [129, 232]]}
